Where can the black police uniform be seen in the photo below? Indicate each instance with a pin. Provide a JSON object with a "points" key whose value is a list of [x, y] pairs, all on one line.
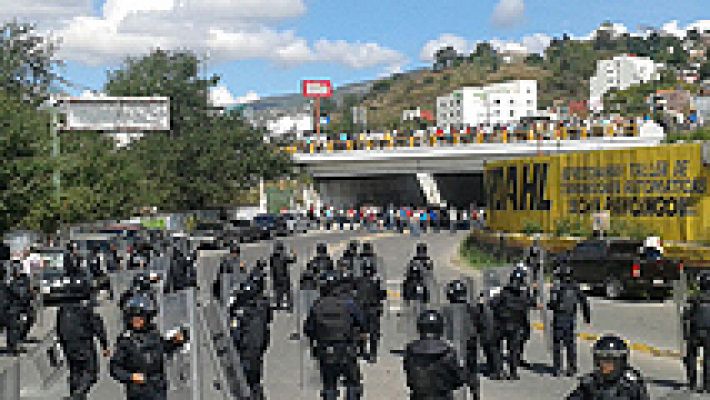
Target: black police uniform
{"points": [[142, 351], [281, 277], [77, 326], [512, 309], [141, 285], [249, 329], [333, 324], [696, 330], [370, 295], [414, 287], [623, 383], [229, 265], [431, 364], [347, 261], [19, 313], [565, 297], [320, 263], [490, 338], [180, 273]]}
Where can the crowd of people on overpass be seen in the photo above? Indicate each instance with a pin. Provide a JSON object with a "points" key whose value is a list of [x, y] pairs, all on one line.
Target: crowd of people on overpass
{"points": [[415, 219]]}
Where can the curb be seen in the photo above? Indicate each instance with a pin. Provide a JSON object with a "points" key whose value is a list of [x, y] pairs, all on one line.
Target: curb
{"points": [[639, 347]]}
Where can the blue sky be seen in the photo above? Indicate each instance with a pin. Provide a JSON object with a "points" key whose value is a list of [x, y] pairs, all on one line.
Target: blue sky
{"points": [[276, 43]]}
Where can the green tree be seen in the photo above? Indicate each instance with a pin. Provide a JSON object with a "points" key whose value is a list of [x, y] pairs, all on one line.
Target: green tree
{"points": [[26, 62], [210, 157]]}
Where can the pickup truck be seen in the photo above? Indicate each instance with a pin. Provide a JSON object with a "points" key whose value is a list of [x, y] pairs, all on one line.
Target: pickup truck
{"points": [[618, 267]]}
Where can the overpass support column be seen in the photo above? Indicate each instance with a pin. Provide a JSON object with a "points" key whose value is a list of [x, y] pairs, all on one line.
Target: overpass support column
{"points": [[431, 190]]}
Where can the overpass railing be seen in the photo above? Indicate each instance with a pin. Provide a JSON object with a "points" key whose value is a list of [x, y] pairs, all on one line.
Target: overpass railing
{"points": [[419, 139]]}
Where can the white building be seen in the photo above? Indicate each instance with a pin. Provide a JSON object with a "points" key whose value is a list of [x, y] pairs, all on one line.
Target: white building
{"points": [[290, 124], [493, 104], [619, 73]]}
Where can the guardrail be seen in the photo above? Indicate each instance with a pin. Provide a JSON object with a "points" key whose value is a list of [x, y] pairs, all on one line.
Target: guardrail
{"points": [[392, 140]]}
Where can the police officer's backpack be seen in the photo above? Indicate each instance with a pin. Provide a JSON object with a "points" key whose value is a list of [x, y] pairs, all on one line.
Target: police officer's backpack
{"points": [[701, 318], [566, 300], [333, 321]]}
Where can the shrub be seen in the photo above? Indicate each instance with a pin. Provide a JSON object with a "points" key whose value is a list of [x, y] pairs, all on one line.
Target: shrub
{"points": [[531, 227]]}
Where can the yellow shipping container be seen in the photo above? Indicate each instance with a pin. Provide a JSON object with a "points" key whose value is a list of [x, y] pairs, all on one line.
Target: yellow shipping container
{"points": [[663, 188]]}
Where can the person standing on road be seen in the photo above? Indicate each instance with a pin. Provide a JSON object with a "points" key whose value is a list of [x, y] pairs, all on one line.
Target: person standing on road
{"points": [[138, 361], [431, 365], [613, 378], [370, 296], [696, 330], [250, 317], [457, 293], [349, 258], [231, 264], [422, 257], [565, 297], [490, 336], [512, 310], [333, 326], [281, 276], [321, 262], [77, 326], [18, 311]]}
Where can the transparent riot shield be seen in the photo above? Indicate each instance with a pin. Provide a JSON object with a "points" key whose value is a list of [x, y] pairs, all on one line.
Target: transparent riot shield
{"points": [[680, 298], [308, 371], [10, 381], [458, 328], [434, 291], [542, 298], [48, 360], [220, 347], [178, 312]]}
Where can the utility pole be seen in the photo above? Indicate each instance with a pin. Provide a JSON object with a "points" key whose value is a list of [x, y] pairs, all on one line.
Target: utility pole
{"points": [[54, 131]]}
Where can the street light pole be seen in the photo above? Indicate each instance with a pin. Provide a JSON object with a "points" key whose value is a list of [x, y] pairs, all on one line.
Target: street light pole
{"points": [[55, 151]]}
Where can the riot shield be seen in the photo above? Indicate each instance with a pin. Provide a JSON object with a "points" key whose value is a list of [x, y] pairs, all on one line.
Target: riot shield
{"points": [[434, 291], [680, 298], [308, 371], [178, 311], [542, 297], [48, 360], [458, 328], [10, 381], [220, 347]]}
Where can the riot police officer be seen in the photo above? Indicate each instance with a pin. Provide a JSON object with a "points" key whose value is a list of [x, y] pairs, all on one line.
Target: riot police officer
{"points": [[138, 361], [333, 326], [321, 262], [349, 258], [612, 378], [180, 272], [142, 283], [512, 309], [229, 265], [422, 257], [696, 330], [457, 293], [281, 276], [565, 297], [370, 296], [368, 253], [490, 335], [430, 363], [257, 275], [250, 316], [19, 313], [414, 286], [533, 262], [77, 326]]}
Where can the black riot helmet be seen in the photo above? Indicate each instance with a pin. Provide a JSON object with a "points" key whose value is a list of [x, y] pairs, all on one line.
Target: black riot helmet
{"points": [[141, 305], [611, 355], [367, 248], [415, 270], [430, 324], [517, 278], [352, 247], [456, 292], [245, 294], [141, 282], [321, 249], [234, 249], [564, 273], [329, 281], [279, 247], [704, 281], [421, 250]]}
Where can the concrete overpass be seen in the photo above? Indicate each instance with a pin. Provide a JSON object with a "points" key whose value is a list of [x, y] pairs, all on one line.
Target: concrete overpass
{"points": [[431, 174]]}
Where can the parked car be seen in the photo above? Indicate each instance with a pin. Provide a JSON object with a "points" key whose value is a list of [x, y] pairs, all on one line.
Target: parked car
{"points": [[621, 266], [207, 236], [50, 278], [296, 223], [241, 230]]}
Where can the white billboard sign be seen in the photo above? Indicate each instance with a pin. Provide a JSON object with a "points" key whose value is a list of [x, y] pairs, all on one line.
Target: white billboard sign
{"points": [[116, 114]]}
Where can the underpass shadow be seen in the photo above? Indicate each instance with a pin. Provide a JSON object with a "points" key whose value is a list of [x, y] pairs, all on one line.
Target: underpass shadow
{"points": [[666, 383], [538, 368]]}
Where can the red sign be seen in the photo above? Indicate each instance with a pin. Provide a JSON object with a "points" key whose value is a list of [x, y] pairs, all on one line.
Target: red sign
{"points": [[317, 88]]}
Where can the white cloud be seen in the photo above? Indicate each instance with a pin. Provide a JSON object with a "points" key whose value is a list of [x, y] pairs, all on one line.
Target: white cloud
{"points": [[220, 96], [537, 42], [46, 12], [508, 13], [430, 48], [357, 55]]}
